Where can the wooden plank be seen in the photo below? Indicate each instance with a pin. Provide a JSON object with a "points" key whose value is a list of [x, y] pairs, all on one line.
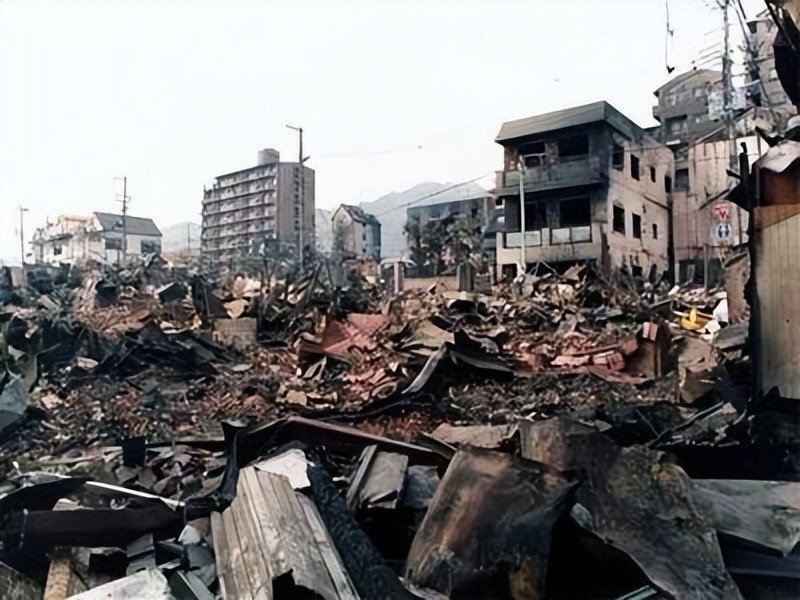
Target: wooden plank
{"points": [[269, 531], [258, 578], [222, 556], [60, 580], [778, 287], [244, 584], [297, 551], [333, 561]]}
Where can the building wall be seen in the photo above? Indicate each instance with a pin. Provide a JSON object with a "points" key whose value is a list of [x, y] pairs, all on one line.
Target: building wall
{"points": [[696, 215], [288, 205]]}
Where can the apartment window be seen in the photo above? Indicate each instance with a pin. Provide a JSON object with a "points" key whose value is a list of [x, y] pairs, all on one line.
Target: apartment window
{"points": [[575, 146], [635, 167], [637, 226], [619, 220], [618, 157], [668, 184], [113, 244], [575, 212], [655, 231], [57, 249], [535, 215], [699, 92], [653, 174], [682, 180], [678, 125], [574, 220]]}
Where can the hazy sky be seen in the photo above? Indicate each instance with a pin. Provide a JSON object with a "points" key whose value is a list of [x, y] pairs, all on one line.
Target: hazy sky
{"points": [[390, 94]]}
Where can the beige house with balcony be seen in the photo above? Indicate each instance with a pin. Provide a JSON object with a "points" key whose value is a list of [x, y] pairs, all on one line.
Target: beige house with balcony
{"points": [[596, 189]]}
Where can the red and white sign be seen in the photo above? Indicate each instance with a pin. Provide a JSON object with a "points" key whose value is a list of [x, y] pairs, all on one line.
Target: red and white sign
{"points": [[722, 211]]}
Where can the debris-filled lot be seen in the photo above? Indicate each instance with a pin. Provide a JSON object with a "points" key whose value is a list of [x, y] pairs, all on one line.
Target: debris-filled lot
{"points": [[569, 435]]}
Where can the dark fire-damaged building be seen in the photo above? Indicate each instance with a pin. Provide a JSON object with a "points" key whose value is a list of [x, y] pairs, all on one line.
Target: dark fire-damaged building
{"points": [[596, 188]]}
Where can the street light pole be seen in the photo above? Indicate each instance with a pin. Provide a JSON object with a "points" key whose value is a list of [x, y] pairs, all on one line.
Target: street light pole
{"points": [[522, 249], [300, 161], [22, 211]]}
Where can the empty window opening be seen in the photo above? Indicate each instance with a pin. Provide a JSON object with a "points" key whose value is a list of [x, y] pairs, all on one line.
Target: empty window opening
{"points": [[575, 212], [619, 220], [655, 231], [653, 174], [635, 167], [618, 157], [535, 215], [668, 184], [637, 226], [682, 180], [533, 154], [576, 146]]}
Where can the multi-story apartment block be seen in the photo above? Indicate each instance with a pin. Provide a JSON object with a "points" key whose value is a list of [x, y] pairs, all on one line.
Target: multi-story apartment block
{"points": [[245, 208], [596, 189]]}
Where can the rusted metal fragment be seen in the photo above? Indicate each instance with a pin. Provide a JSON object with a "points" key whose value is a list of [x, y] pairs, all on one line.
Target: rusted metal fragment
{"points": [[563, 443], [339, 338], [765, 513], [482, 436], [638, 502], [491, 517]]}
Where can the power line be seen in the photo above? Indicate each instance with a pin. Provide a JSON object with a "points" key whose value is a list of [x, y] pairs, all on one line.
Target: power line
{"points": [[452, 187]]}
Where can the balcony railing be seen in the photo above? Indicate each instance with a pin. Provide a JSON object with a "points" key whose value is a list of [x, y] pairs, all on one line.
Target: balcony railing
{"points": [[582, 171]]}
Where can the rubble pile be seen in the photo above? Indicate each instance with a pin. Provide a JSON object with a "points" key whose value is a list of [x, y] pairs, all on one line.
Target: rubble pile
{"points": [[567, 436]]}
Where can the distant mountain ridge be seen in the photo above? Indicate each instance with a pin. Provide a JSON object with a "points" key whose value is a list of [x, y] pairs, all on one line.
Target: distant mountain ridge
{"points": [[391, 209]]}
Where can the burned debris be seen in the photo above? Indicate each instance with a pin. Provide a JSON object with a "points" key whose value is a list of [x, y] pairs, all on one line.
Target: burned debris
{"points": [[570, 435]]}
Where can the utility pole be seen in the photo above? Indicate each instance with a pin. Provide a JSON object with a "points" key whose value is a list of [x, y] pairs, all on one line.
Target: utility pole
{"points": [[727, 101], [124, 218], [22, 211], [522, 250], [301, 160]]}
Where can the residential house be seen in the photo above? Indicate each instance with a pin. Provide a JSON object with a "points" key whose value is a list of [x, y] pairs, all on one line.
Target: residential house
{"points": [[103, 237], [596, 188], [245, 211], [356, 233]]}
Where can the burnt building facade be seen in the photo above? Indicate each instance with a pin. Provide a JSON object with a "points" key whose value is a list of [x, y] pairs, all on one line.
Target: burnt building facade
{"points": [[596, 188]]}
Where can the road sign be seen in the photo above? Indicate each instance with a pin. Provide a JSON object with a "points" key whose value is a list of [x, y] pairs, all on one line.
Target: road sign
{"points": [[723, 231], [722, 211]]}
